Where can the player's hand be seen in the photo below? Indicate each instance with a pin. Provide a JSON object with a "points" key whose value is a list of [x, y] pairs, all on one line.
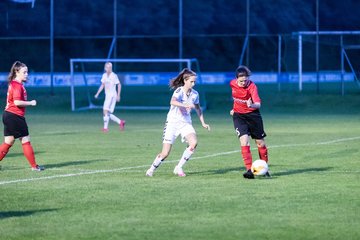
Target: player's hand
{"points": [[33, 102], [96, 96], [189, 107], [231, 112], [249, 102], [118, 98], [207, 126]]}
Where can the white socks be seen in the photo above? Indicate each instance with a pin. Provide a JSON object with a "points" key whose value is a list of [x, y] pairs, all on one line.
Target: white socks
{"points": [[106, 122], [185, 157], [157, 162], [114, 118]]}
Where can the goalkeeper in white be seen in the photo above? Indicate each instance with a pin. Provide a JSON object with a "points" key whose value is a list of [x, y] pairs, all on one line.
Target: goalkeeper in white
{"points": [[178, 121], [110, 82]]}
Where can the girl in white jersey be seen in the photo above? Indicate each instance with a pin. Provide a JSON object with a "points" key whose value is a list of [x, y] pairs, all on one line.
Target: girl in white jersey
{"points": [[109, 81], [178, 121]]}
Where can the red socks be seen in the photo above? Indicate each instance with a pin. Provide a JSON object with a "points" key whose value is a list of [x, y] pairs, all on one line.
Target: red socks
{"points": [[247, 157], [29, 153], [27, 148], [263, 154], [246, 154], [4, 149]]}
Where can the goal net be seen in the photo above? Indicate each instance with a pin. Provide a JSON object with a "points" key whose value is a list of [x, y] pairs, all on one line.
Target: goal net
{"points": [[144, 82], [331, 55], [345, 58]]}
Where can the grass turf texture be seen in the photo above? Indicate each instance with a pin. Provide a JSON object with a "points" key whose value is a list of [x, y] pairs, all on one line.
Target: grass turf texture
{"points": [[94, 186]]}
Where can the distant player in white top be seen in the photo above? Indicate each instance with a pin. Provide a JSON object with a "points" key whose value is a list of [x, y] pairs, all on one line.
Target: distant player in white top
{"points": [[110, 81], [178, 121]]}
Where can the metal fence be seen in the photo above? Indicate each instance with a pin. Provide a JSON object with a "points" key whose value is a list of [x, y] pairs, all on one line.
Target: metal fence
{"points": [[220, 34]]}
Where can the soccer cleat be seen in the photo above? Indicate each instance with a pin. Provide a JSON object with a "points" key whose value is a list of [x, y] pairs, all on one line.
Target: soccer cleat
{"points": [[38, 168], [267, 174], [178, 171], [122, 125], [105, 130], [248, 174], [149, 173]]}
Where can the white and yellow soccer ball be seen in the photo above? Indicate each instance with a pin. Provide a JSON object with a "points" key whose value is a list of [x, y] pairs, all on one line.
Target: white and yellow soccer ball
{"points": [[259, 167]]}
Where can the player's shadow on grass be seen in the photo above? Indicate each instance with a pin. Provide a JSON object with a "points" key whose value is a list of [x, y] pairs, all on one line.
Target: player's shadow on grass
{"points": [[273, 174], [74, 163], [219, 171], [9, 214], [10, 154], [299, 171], [60, 133]]}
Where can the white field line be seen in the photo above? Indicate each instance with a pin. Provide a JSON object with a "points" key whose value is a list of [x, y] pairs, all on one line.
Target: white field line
{"points": [[171, 161]]}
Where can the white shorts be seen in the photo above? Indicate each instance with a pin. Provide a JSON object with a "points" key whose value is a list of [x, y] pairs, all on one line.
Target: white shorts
{"points": [[109, 103], [173, 130]]}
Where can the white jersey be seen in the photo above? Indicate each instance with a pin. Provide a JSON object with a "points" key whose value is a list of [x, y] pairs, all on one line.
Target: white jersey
{"points": [[177, 114], [110, 82]]}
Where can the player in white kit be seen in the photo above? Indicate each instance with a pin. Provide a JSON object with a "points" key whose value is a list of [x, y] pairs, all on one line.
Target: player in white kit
{"points": [[110, 82], [178, 121]]}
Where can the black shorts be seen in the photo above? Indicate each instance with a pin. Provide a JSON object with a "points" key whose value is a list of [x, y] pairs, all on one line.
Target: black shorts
{"points": [[249, 124], [14, 125]]}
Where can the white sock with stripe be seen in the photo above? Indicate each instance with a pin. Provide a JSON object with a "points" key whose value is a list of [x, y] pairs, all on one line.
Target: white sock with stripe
{"points": [[186, 156], [157, 162]]}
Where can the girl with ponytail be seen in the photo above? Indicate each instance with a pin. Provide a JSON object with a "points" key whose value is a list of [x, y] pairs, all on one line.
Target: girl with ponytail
{"points": [[15, 126], [178, 121]]}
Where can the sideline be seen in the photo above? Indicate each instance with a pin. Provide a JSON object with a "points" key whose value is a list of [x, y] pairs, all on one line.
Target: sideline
{"points": [[171, 161]]}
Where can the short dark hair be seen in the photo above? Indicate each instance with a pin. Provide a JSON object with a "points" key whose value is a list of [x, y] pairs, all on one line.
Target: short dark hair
{"points": [[242, 71]]}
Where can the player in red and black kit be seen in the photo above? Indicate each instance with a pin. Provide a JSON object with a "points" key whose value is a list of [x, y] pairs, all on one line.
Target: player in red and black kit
{"points": [[247, 118], [13, 117]]}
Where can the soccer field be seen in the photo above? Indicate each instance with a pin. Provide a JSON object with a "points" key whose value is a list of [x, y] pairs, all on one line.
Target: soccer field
{"points": [[94, 185]]}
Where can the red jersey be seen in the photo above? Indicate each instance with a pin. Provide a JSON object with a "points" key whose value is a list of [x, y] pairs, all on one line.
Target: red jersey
{"points": [[242, 94], [16, 91]]}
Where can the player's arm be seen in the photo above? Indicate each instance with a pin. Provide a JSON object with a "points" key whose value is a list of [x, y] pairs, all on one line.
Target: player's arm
{"points": [[252, 104], [21, 103], [201, 116], [176, 103], [254, 101], [118, 92], [18, 97], [99, 90]]}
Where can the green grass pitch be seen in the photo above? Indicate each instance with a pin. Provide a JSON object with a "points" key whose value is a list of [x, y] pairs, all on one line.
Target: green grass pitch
{"points": [[94, 185]]}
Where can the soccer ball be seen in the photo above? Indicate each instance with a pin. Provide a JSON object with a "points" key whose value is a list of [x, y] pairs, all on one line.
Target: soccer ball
{"points": [[259, 167]]}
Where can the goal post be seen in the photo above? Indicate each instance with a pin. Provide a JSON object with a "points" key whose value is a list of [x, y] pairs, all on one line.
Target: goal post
{"points": [[85, 74], [345, 58], [337, 39]]}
